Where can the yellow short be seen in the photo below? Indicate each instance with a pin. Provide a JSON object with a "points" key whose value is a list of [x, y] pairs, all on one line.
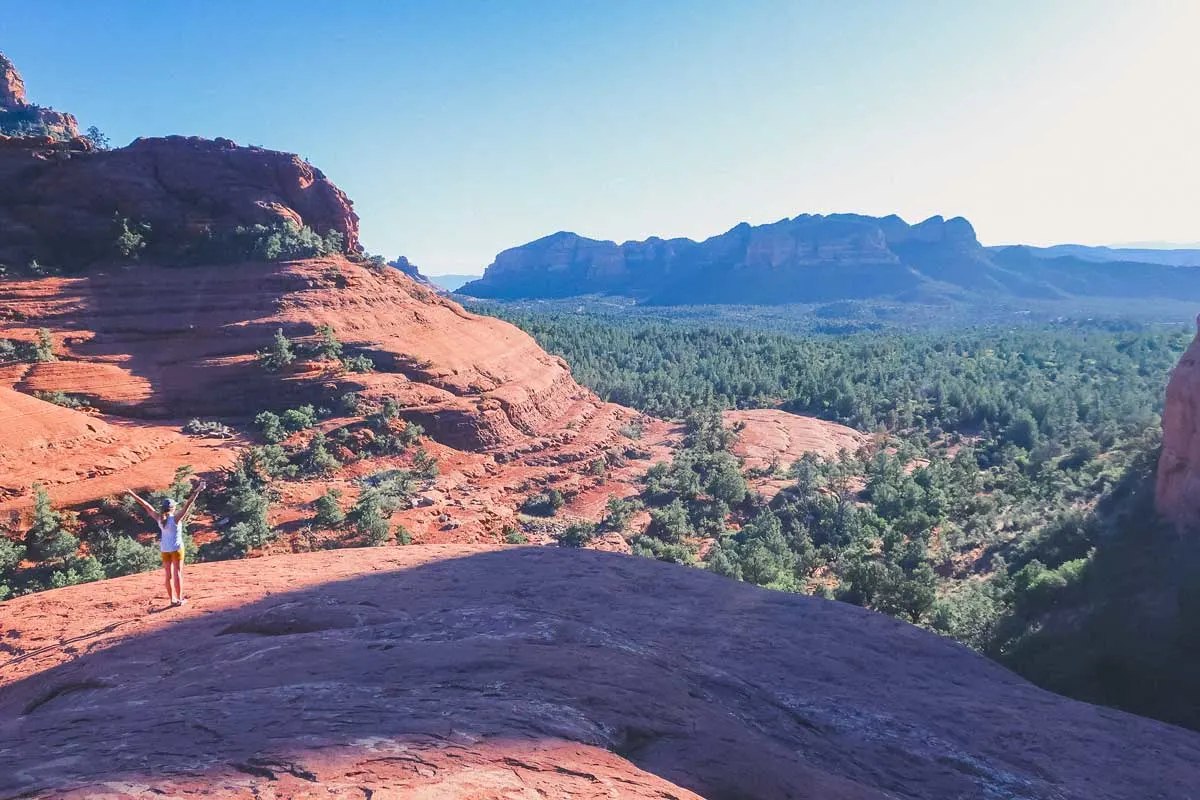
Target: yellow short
{"points": [[175, 556]]}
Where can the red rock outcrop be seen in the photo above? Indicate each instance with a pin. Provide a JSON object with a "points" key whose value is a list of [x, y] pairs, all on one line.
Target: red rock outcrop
{"points": [[1177, 492], [769, 438], [61, 197], [80, 456], [770, 435], [12, 86], [161, 342], [20, 117], [449, 672]]}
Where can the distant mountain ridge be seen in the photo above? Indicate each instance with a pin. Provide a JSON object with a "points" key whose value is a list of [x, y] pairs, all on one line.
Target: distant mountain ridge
{"points": [[1175, 257], [817, 258], [452, 283]]}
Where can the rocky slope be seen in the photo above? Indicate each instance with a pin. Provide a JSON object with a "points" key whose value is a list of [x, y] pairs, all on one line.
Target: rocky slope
{"points": [[161, 342], [413, 271], [815, 258], [504, 416], [19, 117], [1177, 492], [529, 672]]}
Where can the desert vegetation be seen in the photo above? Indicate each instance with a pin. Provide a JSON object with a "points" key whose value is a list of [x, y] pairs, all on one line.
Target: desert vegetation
{"points": [[1006, 487]]}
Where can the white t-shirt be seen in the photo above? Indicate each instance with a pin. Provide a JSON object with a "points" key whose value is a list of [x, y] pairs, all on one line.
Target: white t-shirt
{"points": [[172, 535]]}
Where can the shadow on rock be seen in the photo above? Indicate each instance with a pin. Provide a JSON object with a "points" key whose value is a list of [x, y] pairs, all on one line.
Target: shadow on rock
{"points": [[507, 662]]}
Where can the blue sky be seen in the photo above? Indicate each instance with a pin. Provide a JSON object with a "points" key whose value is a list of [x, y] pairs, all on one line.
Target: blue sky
{"points": [[463, 128]]}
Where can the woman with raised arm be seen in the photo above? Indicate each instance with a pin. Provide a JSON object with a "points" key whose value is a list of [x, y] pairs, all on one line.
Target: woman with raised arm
{"points": [[170, 543]]}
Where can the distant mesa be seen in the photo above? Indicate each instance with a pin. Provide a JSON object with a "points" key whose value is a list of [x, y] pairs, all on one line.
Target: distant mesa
{"points": [[818, 258]]}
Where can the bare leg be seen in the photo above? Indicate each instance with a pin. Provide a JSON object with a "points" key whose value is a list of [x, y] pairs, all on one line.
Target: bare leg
{"points": [[167, 576], [179, 580]]}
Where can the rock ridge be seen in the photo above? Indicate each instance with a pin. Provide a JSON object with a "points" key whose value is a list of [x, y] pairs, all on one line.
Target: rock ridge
{"points": [[814, 258]]}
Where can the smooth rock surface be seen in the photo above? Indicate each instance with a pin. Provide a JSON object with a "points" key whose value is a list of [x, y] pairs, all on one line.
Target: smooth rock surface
{"points": [[453, 671]]}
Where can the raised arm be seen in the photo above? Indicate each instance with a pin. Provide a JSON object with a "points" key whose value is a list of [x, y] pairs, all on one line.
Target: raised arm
{"points": [[149, 508], [187, 505]]}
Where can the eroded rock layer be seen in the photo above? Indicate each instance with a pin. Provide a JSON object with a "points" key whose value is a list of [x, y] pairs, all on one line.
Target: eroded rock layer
{"points": [[160, 342], [146, 348]]}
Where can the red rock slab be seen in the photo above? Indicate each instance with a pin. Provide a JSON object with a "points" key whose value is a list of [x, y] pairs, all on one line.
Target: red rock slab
{"points": [[291, 675], [773, 435]]}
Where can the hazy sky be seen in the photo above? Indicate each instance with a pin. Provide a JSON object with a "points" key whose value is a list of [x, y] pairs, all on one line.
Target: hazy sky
{"points": [[463, 128]]}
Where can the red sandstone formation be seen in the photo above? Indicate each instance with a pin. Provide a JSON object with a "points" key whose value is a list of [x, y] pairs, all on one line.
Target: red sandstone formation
{"points": [[449, 672], [1177, 493], [159, 342], [150, 347], [12, 87], [62, 197], [18, 115], [772, 436]]}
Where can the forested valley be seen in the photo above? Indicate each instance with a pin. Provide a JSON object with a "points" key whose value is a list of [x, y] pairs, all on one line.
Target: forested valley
{"points": [[1005, 499]]}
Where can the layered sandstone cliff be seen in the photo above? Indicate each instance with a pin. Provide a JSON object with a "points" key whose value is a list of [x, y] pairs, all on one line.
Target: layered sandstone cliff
{"points": [[159, 342], [12, 86], [1177, 493]]}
